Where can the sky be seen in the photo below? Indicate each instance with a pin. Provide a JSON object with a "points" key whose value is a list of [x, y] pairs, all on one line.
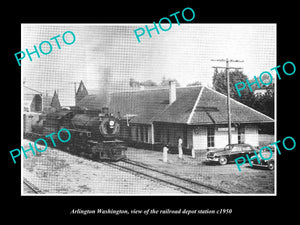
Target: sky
{"points": [[106, 56]]}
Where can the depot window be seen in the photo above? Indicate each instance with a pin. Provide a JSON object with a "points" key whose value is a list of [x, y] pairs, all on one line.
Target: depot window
{"points": [[210, 137]]}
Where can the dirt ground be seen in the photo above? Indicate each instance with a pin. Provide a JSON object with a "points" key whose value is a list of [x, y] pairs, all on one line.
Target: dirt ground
{"points": [[57, 172], [247, 181]]}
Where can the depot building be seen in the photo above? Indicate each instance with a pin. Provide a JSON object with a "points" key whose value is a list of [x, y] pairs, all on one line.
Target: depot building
{"points": [[197, 114]]}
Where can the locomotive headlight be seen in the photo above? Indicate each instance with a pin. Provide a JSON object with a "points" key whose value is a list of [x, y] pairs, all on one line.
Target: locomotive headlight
{"points": [[109, 126], [111, 123]]}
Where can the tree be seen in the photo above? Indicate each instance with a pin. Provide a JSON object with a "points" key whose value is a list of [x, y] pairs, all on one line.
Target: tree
{"points": [[133, 83], [196, 83], [265, 102], [165, 82], [220, 85], [148, 83], [55, 101]]}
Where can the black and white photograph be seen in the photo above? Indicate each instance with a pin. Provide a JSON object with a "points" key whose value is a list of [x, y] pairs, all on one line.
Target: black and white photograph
{"points": [[148, 109], [143, 111]]}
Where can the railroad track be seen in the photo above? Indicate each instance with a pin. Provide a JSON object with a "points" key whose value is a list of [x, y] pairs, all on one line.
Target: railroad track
{"points": [[32, 187], [186, 185], [139, 169], [219, 190]]}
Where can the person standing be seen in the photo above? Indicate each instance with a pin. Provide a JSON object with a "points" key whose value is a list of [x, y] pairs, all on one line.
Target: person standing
{"points": [[165, 153], [180, 153], [193, 153]]}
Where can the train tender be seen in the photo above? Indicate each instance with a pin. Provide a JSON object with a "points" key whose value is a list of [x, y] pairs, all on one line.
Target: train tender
{"points": [[94, 133]]}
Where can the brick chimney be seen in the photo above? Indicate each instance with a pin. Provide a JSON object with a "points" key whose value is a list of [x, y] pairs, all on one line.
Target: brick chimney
{"points": [[172, 92]]}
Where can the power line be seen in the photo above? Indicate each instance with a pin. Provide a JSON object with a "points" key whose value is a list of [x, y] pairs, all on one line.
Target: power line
{"points": [[228, 88]]}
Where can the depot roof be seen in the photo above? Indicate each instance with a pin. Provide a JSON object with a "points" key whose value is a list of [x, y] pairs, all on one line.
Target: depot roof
{"points": [[196, 105]]}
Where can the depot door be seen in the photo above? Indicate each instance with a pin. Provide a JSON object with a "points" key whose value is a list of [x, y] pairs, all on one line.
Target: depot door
{"points": [[199, 138]]}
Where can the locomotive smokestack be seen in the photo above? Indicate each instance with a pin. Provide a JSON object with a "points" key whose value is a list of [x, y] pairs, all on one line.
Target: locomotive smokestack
{"points": [[105, 110], [172, 92]]}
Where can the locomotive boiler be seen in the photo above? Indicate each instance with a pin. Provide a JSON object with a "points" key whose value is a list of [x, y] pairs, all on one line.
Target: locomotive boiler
{"points": [[94, 133]]}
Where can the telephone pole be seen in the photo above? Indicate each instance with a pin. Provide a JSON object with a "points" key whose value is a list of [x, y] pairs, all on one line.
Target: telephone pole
{"points": [[228, 88]]}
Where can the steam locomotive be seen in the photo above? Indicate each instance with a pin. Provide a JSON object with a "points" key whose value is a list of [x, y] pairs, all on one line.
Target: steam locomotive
{"points": [[93, 132]]}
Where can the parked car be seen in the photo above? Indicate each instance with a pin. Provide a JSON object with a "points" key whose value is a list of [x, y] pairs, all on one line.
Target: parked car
{"points": [[230, 153], [269, 163]]}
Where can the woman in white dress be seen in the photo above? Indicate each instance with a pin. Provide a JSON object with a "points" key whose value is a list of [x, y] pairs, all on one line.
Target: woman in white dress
{"points": [[165, 153]]}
